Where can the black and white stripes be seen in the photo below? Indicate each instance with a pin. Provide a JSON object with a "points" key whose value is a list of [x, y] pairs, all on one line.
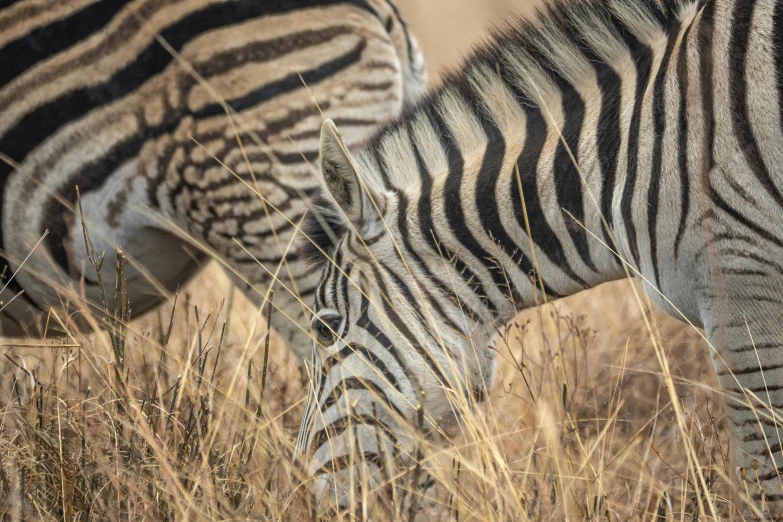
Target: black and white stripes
{"points": [[606, 134], [129, 101]]}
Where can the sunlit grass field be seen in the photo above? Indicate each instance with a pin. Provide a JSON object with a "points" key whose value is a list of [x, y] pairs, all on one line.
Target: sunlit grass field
{"points": [[580, 424], [603, 408]]}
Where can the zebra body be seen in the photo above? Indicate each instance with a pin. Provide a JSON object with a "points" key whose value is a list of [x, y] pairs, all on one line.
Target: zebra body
{"points": [[129, 101], [649, 129]]}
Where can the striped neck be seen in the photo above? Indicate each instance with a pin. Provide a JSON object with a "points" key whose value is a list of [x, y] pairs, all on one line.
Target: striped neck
{"points": [[511, 168]]}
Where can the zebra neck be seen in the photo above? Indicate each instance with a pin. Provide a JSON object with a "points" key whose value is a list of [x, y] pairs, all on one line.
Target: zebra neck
{"points": [[513, 205], [511, 169]]}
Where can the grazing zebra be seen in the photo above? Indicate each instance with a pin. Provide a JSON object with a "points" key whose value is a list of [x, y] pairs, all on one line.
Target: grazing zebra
{"points": [[651, 129], [128, 100]]}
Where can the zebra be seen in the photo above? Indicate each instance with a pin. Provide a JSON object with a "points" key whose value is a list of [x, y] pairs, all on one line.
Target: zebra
{"points": [[188, 128], [601, 139]]}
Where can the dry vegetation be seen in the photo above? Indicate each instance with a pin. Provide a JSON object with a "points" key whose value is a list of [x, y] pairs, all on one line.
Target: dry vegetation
{"points": [[603, 409], [580, 424]]}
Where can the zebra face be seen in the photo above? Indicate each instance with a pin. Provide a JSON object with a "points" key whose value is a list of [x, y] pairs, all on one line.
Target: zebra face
{"points": [[390, 354]]}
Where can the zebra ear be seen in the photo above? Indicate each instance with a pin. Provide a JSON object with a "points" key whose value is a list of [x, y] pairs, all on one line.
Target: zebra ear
{"points": [[340, 178]]}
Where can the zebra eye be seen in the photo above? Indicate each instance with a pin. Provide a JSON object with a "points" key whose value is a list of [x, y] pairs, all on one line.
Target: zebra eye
{"points": [[325, 328]]}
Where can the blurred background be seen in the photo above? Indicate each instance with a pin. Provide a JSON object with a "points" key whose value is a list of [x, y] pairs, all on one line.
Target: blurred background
{"points": [[447, 29]]}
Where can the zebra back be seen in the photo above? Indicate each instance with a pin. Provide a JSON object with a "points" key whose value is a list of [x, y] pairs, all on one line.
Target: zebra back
{"points": [[181, 123]]}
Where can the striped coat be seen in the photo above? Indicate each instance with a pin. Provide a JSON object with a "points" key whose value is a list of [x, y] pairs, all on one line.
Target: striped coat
{"points": [[607, 138], [171, 117]]}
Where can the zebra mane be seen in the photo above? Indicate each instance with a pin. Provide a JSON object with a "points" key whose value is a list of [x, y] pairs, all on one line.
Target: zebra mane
{"points": [[557, 45], [537, 56]]}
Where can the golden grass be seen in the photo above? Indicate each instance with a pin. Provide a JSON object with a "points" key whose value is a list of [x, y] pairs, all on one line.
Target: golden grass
{"points": [[182, 433], [579, 425]]}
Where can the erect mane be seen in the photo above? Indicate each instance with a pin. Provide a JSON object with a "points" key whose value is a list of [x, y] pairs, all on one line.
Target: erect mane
{"points": [[561, 43]]}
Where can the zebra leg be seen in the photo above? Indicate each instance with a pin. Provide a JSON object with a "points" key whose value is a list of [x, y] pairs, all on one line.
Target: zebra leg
{"points": [[744, 324]]}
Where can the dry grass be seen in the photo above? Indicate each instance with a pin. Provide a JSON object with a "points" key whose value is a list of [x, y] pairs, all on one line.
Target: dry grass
{"points": [[603, 409], [579, 426], [182, 432], [585, 421]]}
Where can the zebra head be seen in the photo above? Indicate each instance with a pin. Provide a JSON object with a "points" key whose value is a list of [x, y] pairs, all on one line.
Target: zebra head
{"points": [[394, 352]]}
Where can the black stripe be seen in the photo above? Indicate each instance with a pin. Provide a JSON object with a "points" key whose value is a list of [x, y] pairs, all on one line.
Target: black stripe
{"points": [[773, 474], [404, 290], [405, 30], [608, 133], [319, 289], [756, 437], [337, 428], [375, 152], [371, 328], [738, 252], [370, 241], [756, 228], [331, 267], [345, 296], [402, 225], [486, 198], [542, 234], [740, 407], [758, 390], [683, 83], [566, 178], [659, 129], [269, 50], [369, 358], [44, 42], [455, 216], [745, 272], [738, 53], [356, 383], [343, 462], [337, 276], [609, 139], [759, 298], [777, 45], [418, 310], [322, 378], [427, 225], [285, 85], [336, 272], [402, 328], [415, 258], [642, 58], [536, 131], [750, 370], [706, 28]]}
